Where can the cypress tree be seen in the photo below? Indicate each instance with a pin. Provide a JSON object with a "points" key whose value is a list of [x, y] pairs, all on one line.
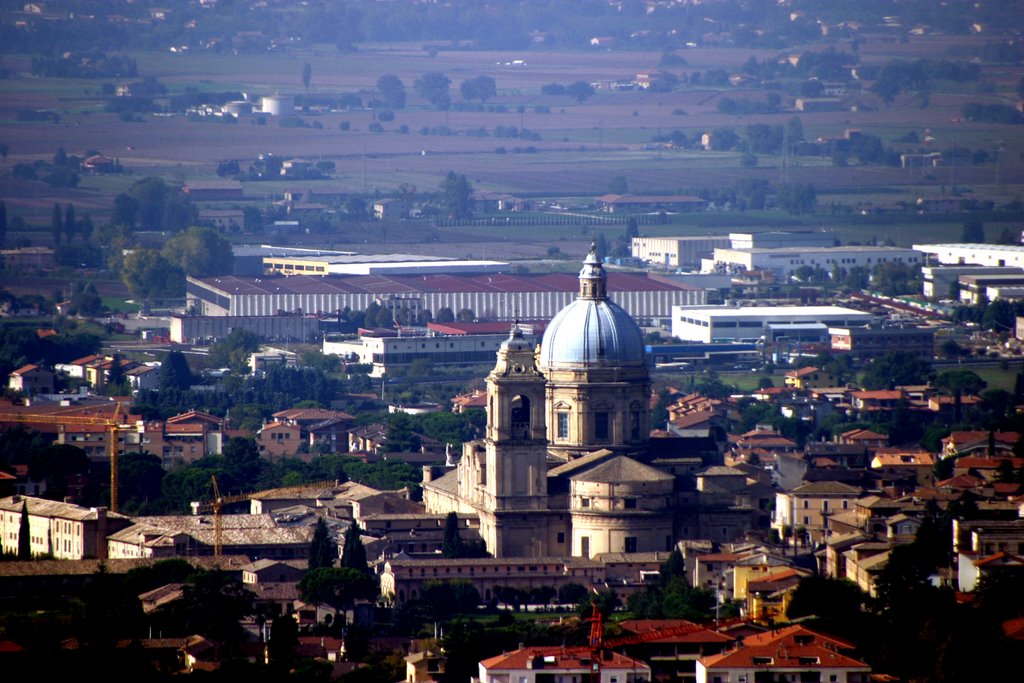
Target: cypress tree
{"points": [[451, 543], [321, 549], [353, 554], [24, 535], [56, 224]]}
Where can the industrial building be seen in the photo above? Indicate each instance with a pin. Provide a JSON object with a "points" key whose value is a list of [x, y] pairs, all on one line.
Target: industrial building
{"points": [[782, 239], [974, 254], [938, 280], [865, 343], [732, 323], [676, 252], [187, 329], [784, 262], [376, 264], [385, 354], [648, 299], [977, 288]]}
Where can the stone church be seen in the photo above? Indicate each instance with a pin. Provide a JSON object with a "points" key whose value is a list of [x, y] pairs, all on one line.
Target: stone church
{"points": [[566, 467]]}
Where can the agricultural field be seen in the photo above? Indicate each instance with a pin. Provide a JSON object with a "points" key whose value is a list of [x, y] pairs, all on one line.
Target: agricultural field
{"points": [[578, 149]]}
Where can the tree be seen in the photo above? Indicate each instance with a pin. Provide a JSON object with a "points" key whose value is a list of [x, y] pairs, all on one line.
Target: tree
{"points": [[618, 185], [445, 315], [284, 638], [433, 87], [126, 211], [391, 91], [451, 542], [56, 224], [322, 549], [353, 553], [148, 276], [896, 368], [70, 224], [571, 593], [213, 604], [580, 90], [24, 534], [199, 252], [455, 194], [832, 599], [973, 232], [480, 88], [337, 588], [174, 372], [307, 75]]}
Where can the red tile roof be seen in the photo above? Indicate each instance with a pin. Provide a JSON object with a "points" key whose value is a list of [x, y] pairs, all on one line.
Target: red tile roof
{"points": [[703, 635], [556, 657], [794, 646]]}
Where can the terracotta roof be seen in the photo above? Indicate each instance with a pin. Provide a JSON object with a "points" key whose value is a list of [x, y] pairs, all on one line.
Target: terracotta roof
{"points": [[1000, 559], [824, 487], [556, 657], [790, 647], [25, 369], [863, 434], [802, 371], [879, 395], [903, 459], [704, 635]]}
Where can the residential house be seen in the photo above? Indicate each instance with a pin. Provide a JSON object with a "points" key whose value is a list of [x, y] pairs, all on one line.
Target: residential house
{"points": [[920, 463], [391, 208], [672, 657], [986, 545], [965, 442], [864, 562], [31, 379], [768, 596], [866, 438], [183, 438], [808, 377], [793, 653], [279, 440], [559, 663], [876, 404], [323, 430], [426, 666], [143, 377], [808, 507]]}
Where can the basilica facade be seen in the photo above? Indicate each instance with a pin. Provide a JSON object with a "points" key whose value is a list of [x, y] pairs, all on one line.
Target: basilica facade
{"points": [[564, 467]]}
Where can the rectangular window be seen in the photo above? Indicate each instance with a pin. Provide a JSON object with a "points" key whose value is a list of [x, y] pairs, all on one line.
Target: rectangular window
{"points": [[585, 546], [561, 537], [600, 425], [563, 425], [630, 544], [629, 503], [584, 502]]}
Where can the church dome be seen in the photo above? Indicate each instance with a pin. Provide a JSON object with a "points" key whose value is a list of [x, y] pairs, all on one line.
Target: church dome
{"points": [[592, 331]]}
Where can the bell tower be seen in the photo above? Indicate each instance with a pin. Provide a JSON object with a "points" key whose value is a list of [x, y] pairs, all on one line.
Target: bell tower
{"points": [[515, 451]]}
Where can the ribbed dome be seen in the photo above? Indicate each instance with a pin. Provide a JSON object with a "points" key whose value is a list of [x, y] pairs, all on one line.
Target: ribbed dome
{"points": [[591, 331]]}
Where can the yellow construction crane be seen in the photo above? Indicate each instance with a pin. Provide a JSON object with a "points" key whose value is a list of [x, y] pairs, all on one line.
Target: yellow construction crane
{"points": [[112, 424], [219, 501]]}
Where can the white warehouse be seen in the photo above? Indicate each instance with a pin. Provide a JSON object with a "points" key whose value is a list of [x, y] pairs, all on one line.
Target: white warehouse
{"points": [[784, 262], [730, 323], [975, 254]]}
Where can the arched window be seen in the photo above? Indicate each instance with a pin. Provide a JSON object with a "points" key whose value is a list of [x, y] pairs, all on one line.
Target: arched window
{"points": [[520, 418]]}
